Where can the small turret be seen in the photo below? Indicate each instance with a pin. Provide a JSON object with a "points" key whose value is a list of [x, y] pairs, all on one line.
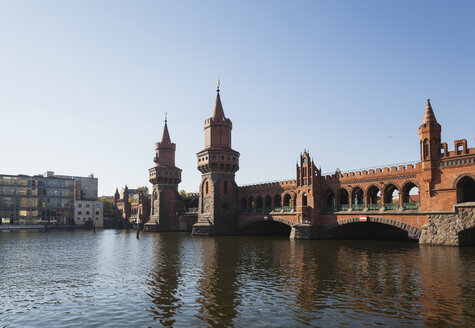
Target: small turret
{"points": [[429, 135]]}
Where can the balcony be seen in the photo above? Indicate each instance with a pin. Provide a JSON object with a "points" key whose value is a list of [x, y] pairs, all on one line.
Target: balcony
{"points": [[288, 208], [411, 206], [357, 207], [277, 209]]}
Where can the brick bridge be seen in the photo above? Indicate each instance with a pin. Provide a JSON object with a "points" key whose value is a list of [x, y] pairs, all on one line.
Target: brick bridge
{"points": [[432, 200]]}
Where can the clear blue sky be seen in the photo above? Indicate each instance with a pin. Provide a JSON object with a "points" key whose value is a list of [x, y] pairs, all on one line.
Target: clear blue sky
{"points": [[84, 85]]}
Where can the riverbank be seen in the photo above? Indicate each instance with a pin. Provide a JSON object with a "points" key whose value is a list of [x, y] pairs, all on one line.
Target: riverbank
{"points": [[42, 227]]}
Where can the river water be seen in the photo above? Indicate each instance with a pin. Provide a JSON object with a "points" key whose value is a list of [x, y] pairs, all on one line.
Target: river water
{"points": [[113, 279]]}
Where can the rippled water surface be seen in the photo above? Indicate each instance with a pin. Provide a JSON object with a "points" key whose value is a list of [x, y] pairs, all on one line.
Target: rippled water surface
{"points": [[111, 278]]}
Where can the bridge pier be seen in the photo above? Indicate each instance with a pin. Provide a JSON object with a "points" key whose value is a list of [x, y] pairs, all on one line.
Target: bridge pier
{"points": [[302, 231], [450, 229]]}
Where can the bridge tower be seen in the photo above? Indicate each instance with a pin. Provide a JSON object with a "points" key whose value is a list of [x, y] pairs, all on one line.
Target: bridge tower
{"points": [[218, 163], [165, 177], [430, 141]]}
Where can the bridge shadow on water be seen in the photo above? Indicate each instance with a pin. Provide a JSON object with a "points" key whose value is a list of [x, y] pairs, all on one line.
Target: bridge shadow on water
{"points": [[267, 228], [368, 231]]}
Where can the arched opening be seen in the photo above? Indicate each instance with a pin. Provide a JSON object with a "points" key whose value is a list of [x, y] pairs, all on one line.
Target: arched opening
{"points": [[206, 188], [251, 205], [330, 202], [344, 200], [357, 199], [226, 187], [374, 198], [391, 197], [287, 203], [243, 204], [410, 196], [467, 237], [304, 199], [267, 228], [267, 204], [259, 204], [277, 203], [466, 190], [367, 231]]}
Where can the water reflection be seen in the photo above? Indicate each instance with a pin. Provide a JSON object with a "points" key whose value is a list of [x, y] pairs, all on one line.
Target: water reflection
{"points": [[217, 286], [112, 279], [163, 281]]}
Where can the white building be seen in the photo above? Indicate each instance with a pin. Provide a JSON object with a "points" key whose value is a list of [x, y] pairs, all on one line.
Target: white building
{"points": [[89, 212]]}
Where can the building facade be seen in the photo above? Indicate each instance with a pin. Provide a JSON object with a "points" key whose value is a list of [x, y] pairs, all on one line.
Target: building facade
{"points": [[43, 199], [132, 202], [89, 212]]}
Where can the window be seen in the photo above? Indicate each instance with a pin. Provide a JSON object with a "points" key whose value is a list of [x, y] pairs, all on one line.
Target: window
{"points": [[79, 205], [79, 212], [225, 187], [88, 205], [97, 212], [97, 206], [87, 212]]}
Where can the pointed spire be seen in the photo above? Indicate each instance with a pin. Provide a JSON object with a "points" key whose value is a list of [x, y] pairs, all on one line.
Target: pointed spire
{"points": [[429, 116], [116, 191], [165, 135], [218, 112]]}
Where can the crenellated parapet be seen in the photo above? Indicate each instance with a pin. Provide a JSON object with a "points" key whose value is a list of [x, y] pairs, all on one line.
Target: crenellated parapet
{"points": [[383, 173]]}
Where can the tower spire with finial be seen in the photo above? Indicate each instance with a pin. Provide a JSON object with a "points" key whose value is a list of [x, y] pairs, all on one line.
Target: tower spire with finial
{"points": [[165, 135], [429, 116], [218, 112]]}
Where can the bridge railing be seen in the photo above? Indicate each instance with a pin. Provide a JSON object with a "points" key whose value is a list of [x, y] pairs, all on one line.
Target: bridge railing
{"points": [[191, 210], [344, 207], [374, 207], [410, 206], [391, 206]]}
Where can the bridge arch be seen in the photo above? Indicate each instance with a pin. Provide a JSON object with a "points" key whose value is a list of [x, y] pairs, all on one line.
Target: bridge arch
{"points": [[466, 235], [244, 204], [343, 199], [277, 202], [413, 232], [269, 226], [406, 189], [329, 201], [251, 207], [391, 196], [373, 197], [465, 187], [357, 197], [268, 203]]}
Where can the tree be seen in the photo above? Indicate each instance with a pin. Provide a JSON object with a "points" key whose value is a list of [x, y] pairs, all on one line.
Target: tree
{"points": [[143, 189], [183, 193], [109, 209]]}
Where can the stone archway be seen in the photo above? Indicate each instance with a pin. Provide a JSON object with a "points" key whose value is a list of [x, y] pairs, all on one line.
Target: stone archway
{"points": [[267, 226], [389, 228]]}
